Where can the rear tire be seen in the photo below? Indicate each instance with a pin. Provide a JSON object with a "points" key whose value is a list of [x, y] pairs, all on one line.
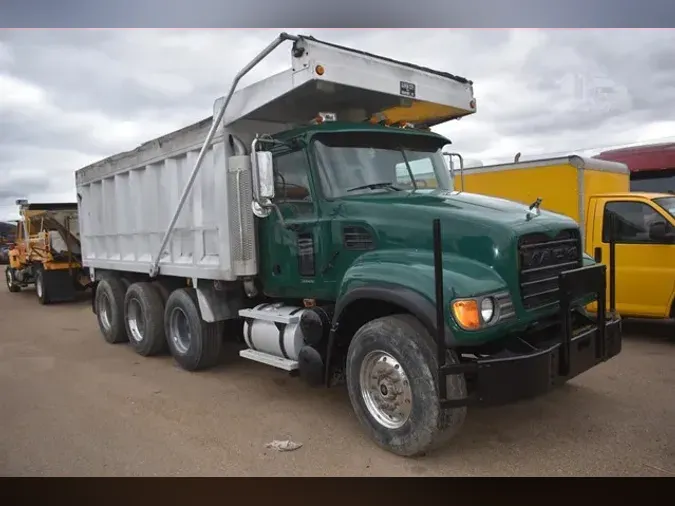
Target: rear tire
{"points": [[392, 375], [194, 343], [42, 288], [110, 310], [11, 283], [144, 319]]}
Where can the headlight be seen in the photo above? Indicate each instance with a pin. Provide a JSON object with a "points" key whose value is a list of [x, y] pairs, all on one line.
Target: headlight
{"points": [[487, 309], [477, 312]]}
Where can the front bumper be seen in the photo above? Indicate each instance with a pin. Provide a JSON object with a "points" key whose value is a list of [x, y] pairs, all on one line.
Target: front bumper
{"points": [[516, 376]]}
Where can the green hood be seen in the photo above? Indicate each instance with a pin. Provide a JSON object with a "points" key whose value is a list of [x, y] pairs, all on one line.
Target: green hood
{"points": [[479, 239], [484, 229]]}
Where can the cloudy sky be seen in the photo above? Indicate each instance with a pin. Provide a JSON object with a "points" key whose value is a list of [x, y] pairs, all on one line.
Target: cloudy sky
{"points": [[71, 97]]}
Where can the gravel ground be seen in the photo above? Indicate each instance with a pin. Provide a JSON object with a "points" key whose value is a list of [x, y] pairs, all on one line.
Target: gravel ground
{"points": [[73, 405]]}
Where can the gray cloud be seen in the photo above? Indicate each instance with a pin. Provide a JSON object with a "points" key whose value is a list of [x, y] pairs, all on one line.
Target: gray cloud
{"points": [[216, 13], [70, 97]]}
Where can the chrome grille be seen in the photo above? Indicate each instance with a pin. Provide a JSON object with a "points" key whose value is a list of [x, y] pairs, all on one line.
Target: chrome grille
{"points": [[541, 259]]}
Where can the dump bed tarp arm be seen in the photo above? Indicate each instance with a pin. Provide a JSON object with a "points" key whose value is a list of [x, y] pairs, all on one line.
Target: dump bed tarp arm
{"points": [[154, 270]]}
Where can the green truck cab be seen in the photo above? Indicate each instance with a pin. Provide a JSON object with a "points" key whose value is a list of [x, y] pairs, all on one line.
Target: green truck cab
{"points": [[349, 257], [354, 232]]}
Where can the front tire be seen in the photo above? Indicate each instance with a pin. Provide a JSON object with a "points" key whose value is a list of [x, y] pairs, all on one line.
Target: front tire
{"points": [[11, 284], [144, 319], [392, 383], [194, 343]]}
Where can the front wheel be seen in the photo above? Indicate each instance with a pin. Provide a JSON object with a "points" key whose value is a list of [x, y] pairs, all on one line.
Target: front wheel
{"points": [[11, 283], [391, 379]]}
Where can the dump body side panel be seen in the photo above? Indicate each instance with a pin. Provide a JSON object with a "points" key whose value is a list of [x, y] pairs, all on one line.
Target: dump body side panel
{"points": [[126, 203]]}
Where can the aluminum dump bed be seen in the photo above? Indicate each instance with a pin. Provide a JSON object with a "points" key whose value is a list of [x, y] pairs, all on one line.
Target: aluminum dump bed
{"points": [[127, 201]]}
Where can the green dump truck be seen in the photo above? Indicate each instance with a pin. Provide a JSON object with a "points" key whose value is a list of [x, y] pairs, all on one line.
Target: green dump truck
{"points": [[301, 218]]}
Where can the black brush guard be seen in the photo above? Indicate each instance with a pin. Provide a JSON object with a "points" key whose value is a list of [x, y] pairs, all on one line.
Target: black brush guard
{"points": [[497, 381]]}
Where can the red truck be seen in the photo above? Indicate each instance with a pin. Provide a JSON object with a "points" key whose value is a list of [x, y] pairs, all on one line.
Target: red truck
{"points": [[652, 166]]}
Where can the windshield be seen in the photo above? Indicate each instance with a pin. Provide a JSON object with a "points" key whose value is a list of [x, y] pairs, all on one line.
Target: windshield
{"points": [[366, 162], [667, 203]]}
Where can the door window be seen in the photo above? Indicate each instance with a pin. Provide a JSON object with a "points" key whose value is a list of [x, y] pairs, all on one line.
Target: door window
{"points": [[291, 177], [631, 222]]}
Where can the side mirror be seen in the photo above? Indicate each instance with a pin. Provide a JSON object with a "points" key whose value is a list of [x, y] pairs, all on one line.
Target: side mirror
{"points": [[265, 169], [658, 231]]}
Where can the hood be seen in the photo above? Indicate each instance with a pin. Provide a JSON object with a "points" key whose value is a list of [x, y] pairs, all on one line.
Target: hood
{"points": [[479, 210], [482, 228]]}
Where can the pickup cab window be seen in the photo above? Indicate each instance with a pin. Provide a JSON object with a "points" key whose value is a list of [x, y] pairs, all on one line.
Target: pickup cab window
{"points": [[667, 204], [632, 221]]}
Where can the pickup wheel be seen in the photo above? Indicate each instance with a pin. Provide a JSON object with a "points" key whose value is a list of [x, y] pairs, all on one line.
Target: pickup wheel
{"points": [[11, 284], [194, 343], [391, 379], [109, 303], [144, 319]]}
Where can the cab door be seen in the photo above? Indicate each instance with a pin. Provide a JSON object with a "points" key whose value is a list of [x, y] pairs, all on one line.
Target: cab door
{"points": [[291, 248], [645, 266]]}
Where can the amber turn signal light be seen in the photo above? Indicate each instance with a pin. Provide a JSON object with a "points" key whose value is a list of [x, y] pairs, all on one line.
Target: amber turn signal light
{"points": [[466, 313]]}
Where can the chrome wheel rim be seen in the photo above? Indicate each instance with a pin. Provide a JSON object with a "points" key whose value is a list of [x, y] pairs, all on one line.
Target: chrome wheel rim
{"points": [[38, 286], [10, 280], [385, 389], [135, 320], [179, 329], [105, 312]]}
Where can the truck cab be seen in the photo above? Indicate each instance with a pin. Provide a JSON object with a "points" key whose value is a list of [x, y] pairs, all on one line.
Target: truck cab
{"points": [[644, 234]]}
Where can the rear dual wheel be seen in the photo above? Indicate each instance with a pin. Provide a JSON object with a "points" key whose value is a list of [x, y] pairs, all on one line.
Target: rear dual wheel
{"points": [[42, 289], [144, 319], [137, 313], [109, 303], [194, 343]]}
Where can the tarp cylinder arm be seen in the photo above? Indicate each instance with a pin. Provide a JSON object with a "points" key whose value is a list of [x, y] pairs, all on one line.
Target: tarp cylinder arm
{"points": [[209, 137]]}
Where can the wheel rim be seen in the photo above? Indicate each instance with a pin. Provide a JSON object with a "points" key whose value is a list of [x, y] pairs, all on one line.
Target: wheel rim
{"points": [[180, 330], [38, 286], [105, 312], [8, 276], [135, 320], [385, 389]]}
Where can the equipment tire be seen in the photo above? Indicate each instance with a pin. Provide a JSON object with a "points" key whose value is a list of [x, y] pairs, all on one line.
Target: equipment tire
{"points": [[194, 343], [110, 310], [401, 347], [9, 278], [144, 319], [42, 288]]}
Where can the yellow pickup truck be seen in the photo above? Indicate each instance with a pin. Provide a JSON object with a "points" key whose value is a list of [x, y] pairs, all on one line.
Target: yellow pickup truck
{"points": [[593, 192]]}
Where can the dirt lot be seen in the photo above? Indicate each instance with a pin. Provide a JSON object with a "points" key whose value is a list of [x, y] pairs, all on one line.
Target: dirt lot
{"points": [[70, 404]]}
